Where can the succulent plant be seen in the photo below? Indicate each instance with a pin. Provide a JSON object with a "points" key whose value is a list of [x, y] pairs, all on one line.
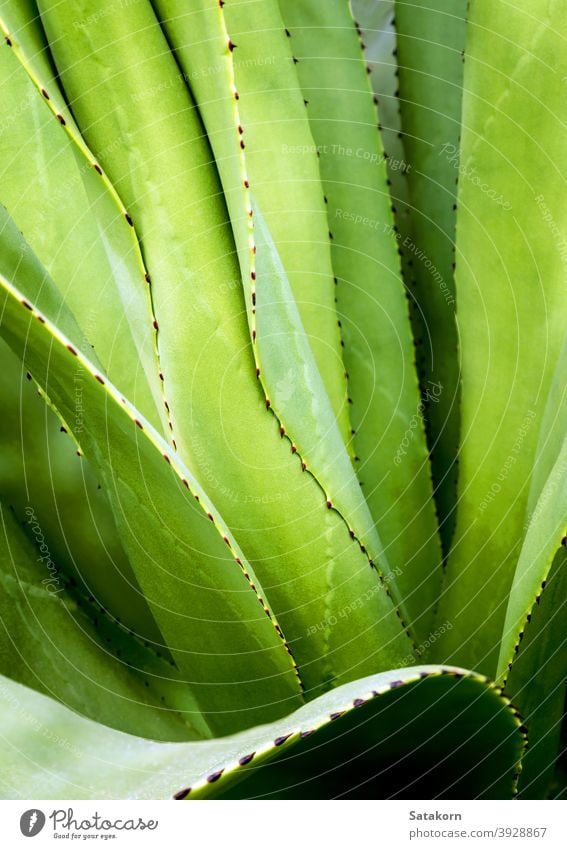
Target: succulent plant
{"points": [[284, 448]]}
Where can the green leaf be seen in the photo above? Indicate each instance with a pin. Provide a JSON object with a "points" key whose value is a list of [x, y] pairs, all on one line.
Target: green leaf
{"points": [[228, 437], [546, 530], [552, 433], [56, 640], [296, 391], [424, 732], [511, 302], [239, 63], [391, 457], [375, 21], [538, 680], [281, 333], [41, 472], [74, 222], [21, 24], [430, 42], [546, 517], [205, 597], [259, 201]]}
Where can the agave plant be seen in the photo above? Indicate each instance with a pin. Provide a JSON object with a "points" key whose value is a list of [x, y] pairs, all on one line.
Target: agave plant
{"points": [[284, 457]]}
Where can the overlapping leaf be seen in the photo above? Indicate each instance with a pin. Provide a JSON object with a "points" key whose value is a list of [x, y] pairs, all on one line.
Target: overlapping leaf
{"points": [[411, 732], [205, 597]]}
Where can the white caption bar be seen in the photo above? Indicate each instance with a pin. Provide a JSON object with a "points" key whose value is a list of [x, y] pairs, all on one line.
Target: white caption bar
{"points": [[283, 825]]}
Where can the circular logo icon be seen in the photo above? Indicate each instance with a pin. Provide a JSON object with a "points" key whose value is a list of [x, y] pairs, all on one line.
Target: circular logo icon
{"points": [[31, 822]]}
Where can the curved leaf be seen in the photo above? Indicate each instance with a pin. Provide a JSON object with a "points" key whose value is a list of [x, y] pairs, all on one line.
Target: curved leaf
{"points": [[546, 531], [259, 156], [277, 512], [60, 199], [546, 516], [424, 732], [391, 456], [206, 599], [375, 21], [240, 66], [537, 682], [58, 642], [511, 300], [42, 478], [430, 37]]}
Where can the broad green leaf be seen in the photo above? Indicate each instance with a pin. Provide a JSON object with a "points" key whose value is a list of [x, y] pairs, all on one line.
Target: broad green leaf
{"points": [[391, 456], [240, 66], [511, 301], [375, 20], [269, 222], [546, 517], [21, 25], [74, 222], [293, 391], [552, 432], [46, 483], [430, 43], [547, 528], [204, 596], [57, 641], [277, 511], [375, 23], [538, 679], [409, 733], [256, 71], [538, 676]]}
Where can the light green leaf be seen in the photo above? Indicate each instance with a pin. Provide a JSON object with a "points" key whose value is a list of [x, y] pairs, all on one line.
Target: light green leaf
{"points": [[389, 443], [239, 64], [43, 478], [266, 230], [546, 516], [375, 20], [53, 639], [419, 732], [205, 597], [73, 220], [430, 42], [538, 679], [547, 528], [21, 24], [227, 435], [512, 308]]}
